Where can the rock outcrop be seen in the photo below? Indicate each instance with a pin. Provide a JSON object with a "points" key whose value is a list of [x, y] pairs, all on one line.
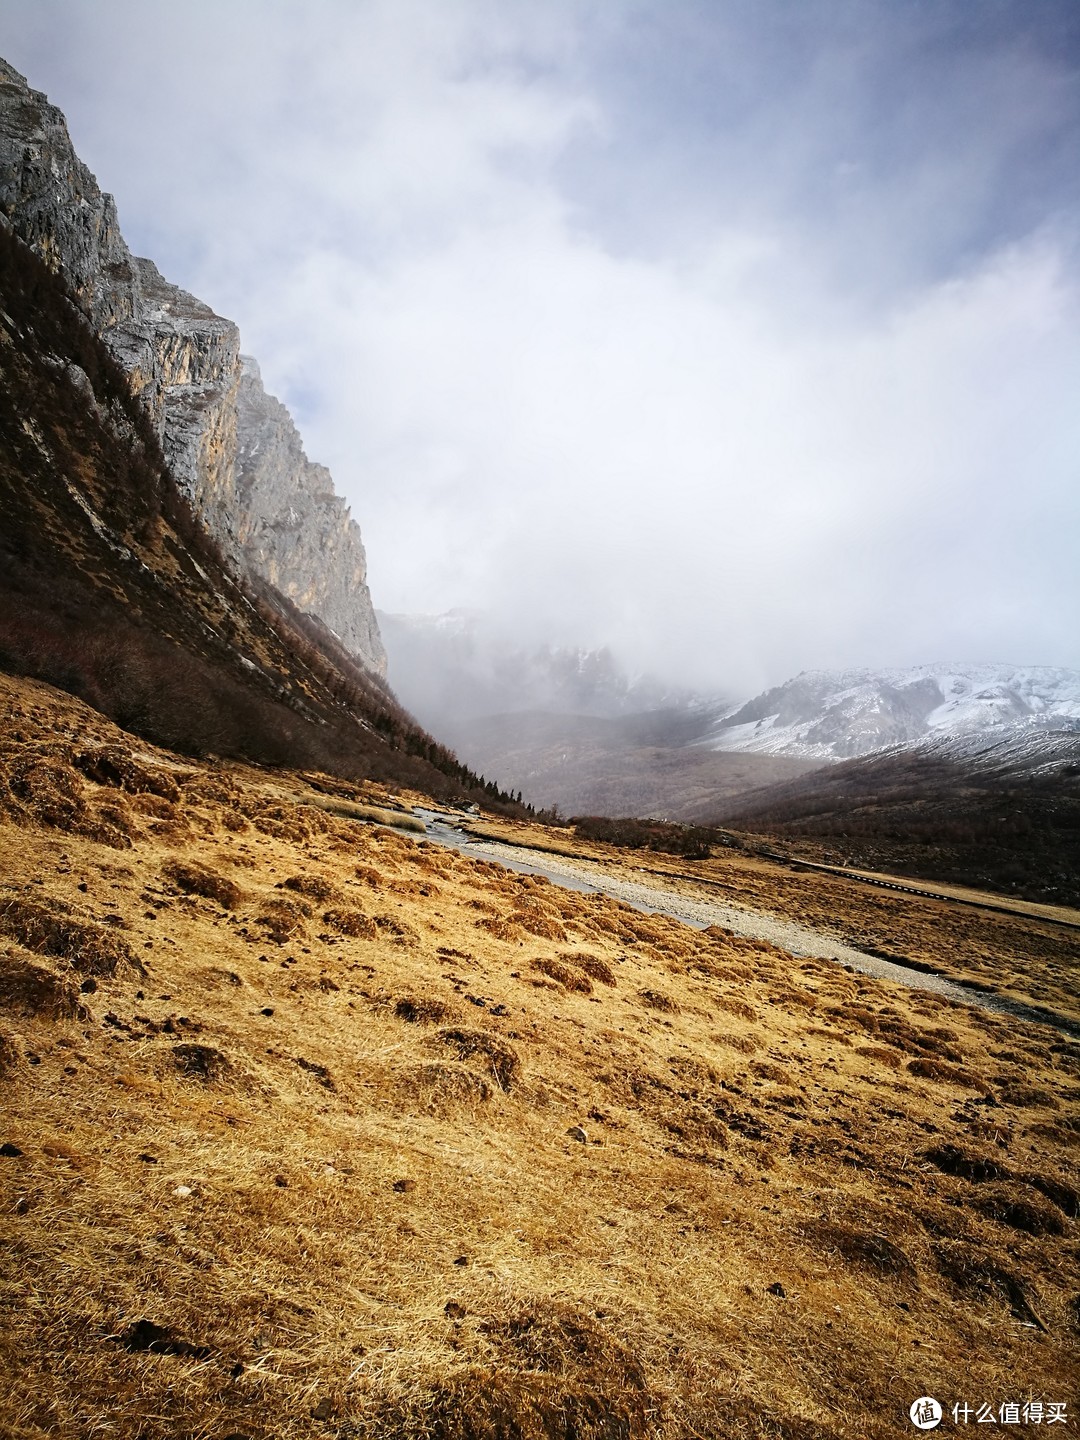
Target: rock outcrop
{"points": [[292, 526], [273, 513]]}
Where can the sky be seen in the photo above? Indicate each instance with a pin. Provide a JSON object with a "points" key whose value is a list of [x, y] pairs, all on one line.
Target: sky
{"points": [[740, 335]]}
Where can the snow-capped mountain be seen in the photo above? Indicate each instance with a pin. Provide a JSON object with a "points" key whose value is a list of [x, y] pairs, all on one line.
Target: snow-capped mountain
{"points": [[836, 715]]}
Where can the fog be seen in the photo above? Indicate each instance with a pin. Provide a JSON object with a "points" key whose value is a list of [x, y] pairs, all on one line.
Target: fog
{"points": [[741, 337]]}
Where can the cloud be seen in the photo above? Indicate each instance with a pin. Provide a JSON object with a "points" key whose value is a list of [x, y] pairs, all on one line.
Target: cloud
{"points": [[746, 344]]}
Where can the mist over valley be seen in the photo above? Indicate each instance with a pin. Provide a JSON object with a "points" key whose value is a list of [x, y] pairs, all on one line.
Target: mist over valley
{"points": [[624, 986]]}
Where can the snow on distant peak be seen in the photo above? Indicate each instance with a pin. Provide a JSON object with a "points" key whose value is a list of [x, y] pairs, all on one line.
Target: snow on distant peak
{"points": [[835, 715]]}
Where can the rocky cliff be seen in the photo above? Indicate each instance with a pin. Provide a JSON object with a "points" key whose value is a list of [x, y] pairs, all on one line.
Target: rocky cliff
{"points": [[293, 528], [232, 449]]}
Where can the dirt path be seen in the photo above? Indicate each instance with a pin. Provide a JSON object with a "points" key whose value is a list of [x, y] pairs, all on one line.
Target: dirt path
{"points": [[702, 911]]}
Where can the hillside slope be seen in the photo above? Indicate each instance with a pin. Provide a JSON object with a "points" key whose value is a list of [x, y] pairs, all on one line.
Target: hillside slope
{"points": [[111, 587], [1002, 814], [637, 764], [312, 1130], [231, 448]]}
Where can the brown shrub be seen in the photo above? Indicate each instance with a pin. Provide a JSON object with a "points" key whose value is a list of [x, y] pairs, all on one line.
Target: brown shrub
{"points": [[536, 920], [218, 787], [800, 998], [507, 930], [425, 888], [441, 1087], [368, 876], [938, 1070], [606, 924], [1027, 1215], [421, 1009], [283, 918], [313, 886], [975, 1274], [200, 1062], [112, 765], [734, 1006], [656, 1000], [697, 1124], [501, 1058], [593, 965], [475, 1402], [47, 930], [11, 1051], [352, 922], [321, 1073], [110, 824], [194, 879], [555, 1338], [745, 1044], [50, 790], [878, 1052], [555, 1373], [1026, 1097], [951, 1160], [398, 931], [1063, 1196], [285, 823], [765, 1070], [568, 976], [154, 807], [29, 988], [872, 1250]]}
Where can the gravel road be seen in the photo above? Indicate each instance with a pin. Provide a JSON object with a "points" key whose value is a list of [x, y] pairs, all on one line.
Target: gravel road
{"points": [[660, 899], [700, 911]]}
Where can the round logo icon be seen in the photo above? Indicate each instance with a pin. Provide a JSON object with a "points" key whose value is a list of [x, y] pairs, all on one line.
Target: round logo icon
{"points": [[925, 1413]]}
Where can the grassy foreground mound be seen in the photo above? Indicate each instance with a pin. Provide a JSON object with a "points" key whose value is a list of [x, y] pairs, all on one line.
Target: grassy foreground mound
{"points": [[313, 1129]]}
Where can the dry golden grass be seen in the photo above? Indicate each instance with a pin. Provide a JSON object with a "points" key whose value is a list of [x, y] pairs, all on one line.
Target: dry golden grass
{"points": [[1017, 953], [352, 810], [396, 1143]]}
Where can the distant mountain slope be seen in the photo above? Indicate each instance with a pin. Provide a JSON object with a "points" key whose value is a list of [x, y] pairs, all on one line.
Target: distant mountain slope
{"points": [[1002, 812], [629, 765], [568, 727], [463, 664], [823, 715], [111, 588]]}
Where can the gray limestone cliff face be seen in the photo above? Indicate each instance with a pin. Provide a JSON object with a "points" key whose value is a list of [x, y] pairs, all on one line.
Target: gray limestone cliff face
{"points": [[183, 361], [294, 529]]}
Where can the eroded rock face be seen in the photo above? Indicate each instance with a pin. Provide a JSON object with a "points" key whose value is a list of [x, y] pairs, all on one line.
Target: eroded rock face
{"points": [[272, 511], [183, 360], [294, 529]]}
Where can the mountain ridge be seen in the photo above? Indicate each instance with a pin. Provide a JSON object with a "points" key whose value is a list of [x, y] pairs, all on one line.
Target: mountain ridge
{"points": [[184, 363], [113, 589], [837, 715]]}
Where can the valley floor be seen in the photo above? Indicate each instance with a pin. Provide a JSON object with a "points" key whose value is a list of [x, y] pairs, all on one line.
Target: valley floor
{"points": [[313, 1128], [1011, 956]]}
